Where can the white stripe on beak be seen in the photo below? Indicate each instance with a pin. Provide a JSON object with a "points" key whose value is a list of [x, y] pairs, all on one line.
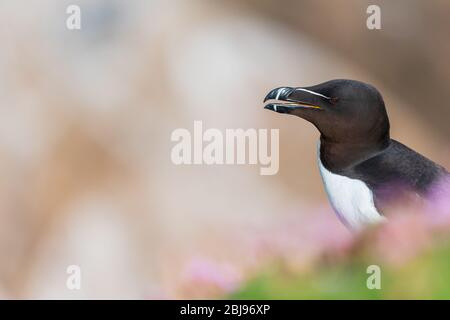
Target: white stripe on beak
{"points": [[312, 92], [280, 91]]}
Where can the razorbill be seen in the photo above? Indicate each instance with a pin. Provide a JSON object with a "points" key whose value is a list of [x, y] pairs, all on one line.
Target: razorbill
{"points": [[362, 168]]}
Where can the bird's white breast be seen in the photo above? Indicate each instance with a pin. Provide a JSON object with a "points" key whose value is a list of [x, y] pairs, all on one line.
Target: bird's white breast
{"points": [[350, 198]]}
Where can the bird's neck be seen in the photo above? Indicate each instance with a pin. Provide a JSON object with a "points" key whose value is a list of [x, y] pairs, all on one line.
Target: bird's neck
{"points": [[339, 156]]}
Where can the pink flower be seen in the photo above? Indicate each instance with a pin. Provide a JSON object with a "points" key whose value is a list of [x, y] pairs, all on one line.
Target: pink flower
{"points": [[401, 239], [438, 206], [205, 275]]}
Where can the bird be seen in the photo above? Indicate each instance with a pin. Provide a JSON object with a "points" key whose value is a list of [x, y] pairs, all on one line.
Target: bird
{"points": [[363, 170]]}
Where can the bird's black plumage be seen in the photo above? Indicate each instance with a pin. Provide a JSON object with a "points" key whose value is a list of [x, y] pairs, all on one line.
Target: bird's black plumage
{"points": [[396, 169], [355, 137]]}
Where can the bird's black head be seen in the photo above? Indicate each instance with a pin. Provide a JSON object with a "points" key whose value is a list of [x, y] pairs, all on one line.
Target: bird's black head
{"points": [[344, 111]]}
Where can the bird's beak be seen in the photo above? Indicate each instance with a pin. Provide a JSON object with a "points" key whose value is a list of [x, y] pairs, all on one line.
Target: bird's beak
{"points": [[286, 99]]}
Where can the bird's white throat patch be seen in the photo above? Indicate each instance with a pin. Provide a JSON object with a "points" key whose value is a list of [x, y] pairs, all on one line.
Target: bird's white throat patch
{"points": [[350, 198]]}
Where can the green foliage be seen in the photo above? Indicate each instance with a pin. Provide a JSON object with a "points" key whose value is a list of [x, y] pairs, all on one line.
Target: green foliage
{"points": [[426, 276]]}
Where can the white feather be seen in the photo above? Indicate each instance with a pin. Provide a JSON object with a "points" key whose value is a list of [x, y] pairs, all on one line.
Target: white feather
{"points": [[350, 198]]}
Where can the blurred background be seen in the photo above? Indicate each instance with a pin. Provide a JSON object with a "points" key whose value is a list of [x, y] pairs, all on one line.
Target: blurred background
{"points": [[85, 123]]}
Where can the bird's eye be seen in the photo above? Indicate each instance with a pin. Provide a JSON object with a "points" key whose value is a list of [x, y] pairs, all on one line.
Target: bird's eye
{"points": [[334, 100]]}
